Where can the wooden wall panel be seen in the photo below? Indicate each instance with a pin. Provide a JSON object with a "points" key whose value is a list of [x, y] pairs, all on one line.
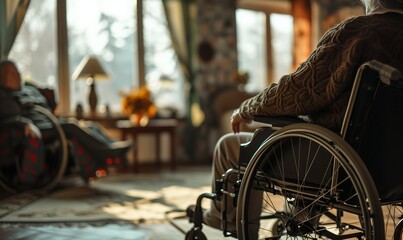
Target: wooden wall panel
{"points": [[301, 10]]}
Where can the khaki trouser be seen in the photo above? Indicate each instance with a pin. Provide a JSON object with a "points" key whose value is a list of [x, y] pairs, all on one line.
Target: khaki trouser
{"points": [[226, 156]]}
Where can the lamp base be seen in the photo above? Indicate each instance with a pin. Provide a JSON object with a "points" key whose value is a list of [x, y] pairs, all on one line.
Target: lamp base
{"points": [[92, 98]]}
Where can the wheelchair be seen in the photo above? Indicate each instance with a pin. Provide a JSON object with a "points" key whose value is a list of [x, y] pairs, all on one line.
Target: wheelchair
{"points": [[90, 158], [298, 180], [56, 157]]}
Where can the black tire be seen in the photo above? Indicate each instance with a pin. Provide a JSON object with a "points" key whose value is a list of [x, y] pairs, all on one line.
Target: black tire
{"points": [[305, 176], [398, 231], [195, 234]]}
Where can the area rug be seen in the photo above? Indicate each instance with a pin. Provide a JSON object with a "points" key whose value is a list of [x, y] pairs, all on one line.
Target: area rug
{"points": [[137, 198], [87, 232]]}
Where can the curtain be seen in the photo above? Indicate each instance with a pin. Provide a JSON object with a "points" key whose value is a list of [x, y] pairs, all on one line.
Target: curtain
{"points": [[181, 19], [12, 15]]}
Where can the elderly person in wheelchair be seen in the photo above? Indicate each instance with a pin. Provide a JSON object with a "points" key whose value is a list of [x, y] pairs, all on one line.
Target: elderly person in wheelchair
{"points": [[305, 180], [37, 148]]}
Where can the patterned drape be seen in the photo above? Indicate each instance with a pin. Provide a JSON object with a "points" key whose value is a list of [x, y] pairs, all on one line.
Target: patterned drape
{"points": [[12, 14], [181, 17]]}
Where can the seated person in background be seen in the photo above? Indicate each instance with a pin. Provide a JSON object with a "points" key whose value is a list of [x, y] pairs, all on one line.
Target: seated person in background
{"points": [[89, 145], [320, 88], [17, 131]]}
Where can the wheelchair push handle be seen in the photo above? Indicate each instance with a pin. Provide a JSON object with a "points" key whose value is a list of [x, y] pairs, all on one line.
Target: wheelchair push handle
{"points": [[388, 74]]}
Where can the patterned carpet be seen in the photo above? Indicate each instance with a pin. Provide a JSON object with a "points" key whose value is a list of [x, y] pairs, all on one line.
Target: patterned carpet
{"points": [[126, 204]]}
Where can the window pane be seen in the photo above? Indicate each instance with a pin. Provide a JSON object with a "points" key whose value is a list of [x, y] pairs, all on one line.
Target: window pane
{"points": [[282, 37], [34, 49], [163, 75], [251, 37], [106, 29], [251, 34]]}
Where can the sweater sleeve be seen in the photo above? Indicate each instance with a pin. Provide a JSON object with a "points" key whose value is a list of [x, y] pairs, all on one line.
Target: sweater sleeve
{"points": [[314, 85]]}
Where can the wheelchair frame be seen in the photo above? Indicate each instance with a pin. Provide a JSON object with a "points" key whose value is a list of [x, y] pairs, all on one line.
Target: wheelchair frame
{"points": [[346, 189]]}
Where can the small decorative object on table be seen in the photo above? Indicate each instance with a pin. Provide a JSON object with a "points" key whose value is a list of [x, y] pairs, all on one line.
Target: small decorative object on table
{"points": [[79, 111], [138, 105]]}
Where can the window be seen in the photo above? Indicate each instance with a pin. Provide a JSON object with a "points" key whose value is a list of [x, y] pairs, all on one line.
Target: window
{"points": [[251, 37], [163, 75], [281, 40], [252, 46], [34, 49], [108, 31]]}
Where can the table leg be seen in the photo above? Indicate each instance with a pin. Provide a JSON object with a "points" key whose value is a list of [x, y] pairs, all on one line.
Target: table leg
{"points": [[123, 137], [135, 153], [173, 150], [158, 150]]}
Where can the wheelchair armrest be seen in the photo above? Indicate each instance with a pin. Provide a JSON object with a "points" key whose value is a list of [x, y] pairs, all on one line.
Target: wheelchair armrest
{"points": [[269, 126], [277, 121], [247, 149]]}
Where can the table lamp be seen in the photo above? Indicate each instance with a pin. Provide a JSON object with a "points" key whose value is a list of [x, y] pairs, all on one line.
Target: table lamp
{"points": [[91, 70]]}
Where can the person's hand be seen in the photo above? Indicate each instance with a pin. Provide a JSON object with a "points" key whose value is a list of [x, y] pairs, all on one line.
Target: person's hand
{"points": [[236, 121], [32, 131]]}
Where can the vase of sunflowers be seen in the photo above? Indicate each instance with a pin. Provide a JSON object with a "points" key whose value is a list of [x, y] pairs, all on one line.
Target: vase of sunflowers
{"points": [[138, 106]]}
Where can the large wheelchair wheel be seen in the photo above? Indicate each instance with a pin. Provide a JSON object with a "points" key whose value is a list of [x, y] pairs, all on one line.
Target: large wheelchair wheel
{"points": [[55, 158], [306, 182]]}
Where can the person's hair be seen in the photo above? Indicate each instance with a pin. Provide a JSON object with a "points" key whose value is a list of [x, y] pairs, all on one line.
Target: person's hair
{"points": [[370, 5], [391, 4], [3, 65]]}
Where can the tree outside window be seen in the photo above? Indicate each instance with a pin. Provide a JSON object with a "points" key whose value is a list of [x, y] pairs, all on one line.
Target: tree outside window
{"points": [[108, 31]]}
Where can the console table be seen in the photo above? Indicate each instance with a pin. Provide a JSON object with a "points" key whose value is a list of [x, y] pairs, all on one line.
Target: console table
{"points": [[155, 127]]}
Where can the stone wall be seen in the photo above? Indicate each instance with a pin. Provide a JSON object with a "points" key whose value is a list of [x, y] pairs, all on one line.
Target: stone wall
{"points": [[216, 57], [216, 45]]}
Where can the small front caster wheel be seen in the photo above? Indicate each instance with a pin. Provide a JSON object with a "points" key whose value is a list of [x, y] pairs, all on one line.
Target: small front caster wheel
{"points": [[195, 234]]}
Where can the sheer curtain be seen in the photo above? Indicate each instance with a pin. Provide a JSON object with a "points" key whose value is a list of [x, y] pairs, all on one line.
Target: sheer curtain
{"points": [[181, 14]]}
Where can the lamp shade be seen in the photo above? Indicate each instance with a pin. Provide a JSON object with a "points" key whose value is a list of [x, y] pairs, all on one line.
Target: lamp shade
{"points": [[90, 67]]}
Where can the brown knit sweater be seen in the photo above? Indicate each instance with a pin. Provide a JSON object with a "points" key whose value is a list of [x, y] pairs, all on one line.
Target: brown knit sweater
{"points": [[320, 87]]}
